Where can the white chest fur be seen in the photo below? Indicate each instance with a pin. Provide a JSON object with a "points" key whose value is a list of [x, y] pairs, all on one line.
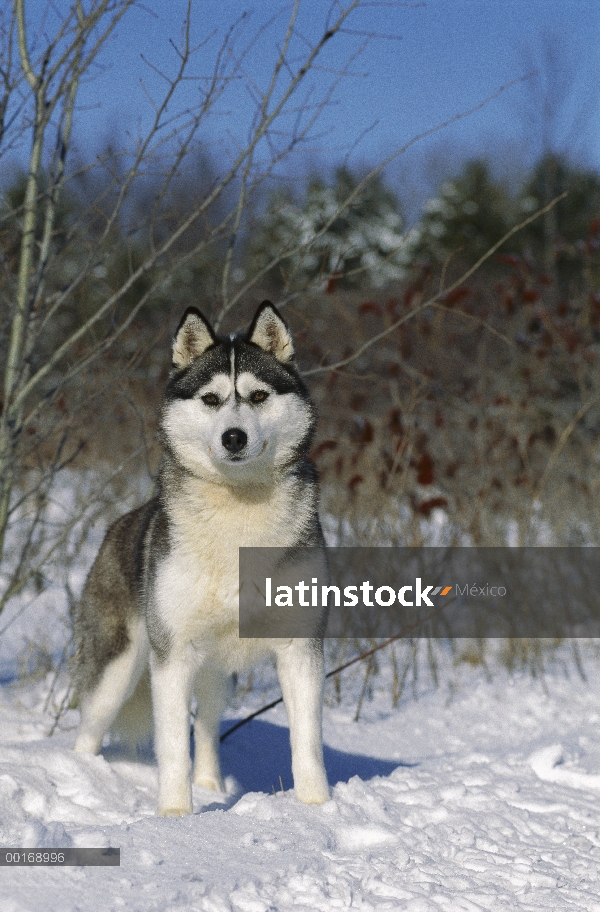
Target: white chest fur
{"points": [[197, 584]]}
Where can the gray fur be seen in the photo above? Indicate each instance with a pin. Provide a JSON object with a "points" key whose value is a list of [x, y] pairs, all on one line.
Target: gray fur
{"points": [[110, 597], [158, 545]]}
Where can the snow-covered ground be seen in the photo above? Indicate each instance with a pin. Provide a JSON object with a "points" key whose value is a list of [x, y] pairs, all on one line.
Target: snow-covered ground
{"points": [[488, 800]]}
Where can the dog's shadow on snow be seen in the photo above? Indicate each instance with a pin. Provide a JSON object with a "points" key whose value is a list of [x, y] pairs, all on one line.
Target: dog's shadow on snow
{"points": [[259, 759], [257, 755]]}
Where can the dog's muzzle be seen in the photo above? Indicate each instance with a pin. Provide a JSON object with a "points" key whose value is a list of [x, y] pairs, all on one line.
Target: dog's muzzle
{"points": [[234, 440]]}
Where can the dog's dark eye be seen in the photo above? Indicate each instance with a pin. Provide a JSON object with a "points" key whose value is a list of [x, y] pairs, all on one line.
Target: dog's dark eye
{"points": [[210, 399], [259, 396]]}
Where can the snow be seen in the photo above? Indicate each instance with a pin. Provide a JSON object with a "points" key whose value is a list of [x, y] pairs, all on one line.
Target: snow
{"points": [[480, 795]]}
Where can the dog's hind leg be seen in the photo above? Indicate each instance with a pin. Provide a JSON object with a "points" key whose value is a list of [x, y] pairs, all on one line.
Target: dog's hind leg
{"points": [[100, 706], [301, 675], [213, 691]]}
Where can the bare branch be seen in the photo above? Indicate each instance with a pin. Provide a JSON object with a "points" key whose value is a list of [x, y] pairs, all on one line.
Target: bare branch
{"points": [[23, 52], [300, 247]]}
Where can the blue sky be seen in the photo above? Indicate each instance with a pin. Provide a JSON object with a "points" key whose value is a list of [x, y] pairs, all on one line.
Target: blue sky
{"points": [[442, 58]]}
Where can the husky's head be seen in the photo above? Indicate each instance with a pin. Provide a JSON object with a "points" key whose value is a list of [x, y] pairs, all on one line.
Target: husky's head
{"points": [[235, 407]]}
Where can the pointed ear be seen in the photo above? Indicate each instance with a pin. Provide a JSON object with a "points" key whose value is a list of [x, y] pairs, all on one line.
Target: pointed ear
{"points": [[194, 335], [270, 333]]}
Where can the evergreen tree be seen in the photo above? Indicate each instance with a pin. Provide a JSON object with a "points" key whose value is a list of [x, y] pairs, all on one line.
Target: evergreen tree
{"points": [[558, 240], [469, 214], [336, 232]]}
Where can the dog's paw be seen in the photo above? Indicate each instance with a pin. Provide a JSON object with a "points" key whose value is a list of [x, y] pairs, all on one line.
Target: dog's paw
{"points": [[87, 744], [174, 811], [209, 782], [312, 791]]}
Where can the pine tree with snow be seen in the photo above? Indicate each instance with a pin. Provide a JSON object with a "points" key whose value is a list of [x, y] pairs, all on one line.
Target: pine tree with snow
{"points": [[339, 231]]}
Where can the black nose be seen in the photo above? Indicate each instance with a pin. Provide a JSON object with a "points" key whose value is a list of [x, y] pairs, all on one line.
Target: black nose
{"points": [[234, 440]]}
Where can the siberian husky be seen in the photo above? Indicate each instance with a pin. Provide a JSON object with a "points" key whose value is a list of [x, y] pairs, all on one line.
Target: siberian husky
{"points": [[162, 595]]}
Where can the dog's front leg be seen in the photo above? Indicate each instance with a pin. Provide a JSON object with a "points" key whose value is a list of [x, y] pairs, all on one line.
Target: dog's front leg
{"points": [[171, 696], [301, 675]]}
